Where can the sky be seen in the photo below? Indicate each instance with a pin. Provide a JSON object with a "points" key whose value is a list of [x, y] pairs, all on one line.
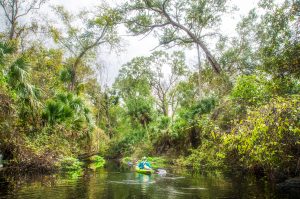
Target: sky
{"points": [[136, 46]]}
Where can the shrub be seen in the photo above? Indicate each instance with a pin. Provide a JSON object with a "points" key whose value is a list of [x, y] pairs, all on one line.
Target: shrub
{"points": [[250, 90], [269, 138], [96, 162], [69, 164], [207, 155]]}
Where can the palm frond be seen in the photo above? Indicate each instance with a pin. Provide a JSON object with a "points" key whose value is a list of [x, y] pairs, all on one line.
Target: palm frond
{"points": [[18, 71]]}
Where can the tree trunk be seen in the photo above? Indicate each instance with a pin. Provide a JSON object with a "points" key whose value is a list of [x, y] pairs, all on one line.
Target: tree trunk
{"points": [[211, 59], [199, 69], [12, 30]]}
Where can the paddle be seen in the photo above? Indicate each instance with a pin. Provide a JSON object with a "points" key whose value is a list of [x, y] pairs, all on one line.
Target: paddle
{"points": [[161, 172]]}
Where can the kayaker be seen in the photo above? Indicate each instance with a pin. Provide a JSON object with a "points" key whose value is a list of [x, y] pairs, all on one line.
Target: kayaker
{"points": [[144, 164]]}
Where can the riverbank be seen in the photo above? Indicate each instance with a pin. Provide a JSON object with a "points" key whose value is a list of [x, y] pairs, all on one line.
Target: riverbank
{"points": [[66, 164]]}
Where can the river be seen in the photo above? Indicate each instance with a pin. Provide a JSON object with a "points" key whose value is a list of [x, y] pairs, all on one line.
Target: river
{"points": [[116, 182]]}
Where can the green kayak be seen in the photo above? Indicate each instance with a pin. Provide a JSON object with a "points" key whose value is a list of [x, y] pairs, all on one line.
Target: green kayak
{"points": [[144, 171]]}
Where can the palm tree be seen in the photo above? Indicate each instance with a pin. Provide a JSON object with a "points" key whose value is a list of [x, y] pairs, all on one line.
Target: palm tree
{"points": [[27, 94], [67, 108], [6, 48]]}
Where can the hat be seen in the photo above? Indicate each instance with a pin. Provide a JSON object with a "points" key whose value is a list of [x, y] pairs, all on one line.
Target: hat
{"points": [[144, 158]]}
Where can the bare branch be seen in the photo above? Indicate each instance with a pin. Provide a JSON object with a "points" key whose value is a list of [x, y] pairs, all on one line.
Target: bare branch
{"points": [[32, 7], [187, 29], [210, 34], [5, 11]]}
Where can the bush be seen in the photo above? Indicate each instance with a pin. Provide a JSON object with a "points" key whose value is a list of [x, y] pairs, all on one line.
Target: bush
{"points": [[127, 143], [207, 155], [250, 90], [157, 162], [96, 162], [69, 164], [269, 138], [225, 114], [205, 158]]}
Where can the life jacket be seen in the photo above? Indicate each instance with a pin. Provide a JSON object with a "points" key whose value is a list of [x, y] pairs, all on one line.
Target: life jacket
{"points": [[143, 163]]}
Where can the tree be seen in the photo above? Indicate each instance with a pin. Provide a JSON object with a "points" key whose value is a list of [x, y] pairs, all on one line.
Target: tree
{"points": [[27, 94], [240, 54], [168, 70], [14, 10], [280, 42], [47, 65], [83, 34], [68, 108], [268, 41], [134, 87], [156, 75], [180, 22], [6, 50]]}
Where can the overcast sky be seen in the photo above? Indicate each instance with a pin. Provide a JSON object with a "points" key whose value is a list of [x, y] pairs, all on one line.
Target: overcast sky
{"points": [[135, 46]]}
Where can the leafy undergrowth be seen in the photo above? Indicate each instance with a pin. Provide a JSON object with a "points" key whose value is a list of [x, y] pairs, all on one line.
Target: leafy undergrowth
{"points": [[267, 139], [265, 142], [72, 175], [96, 162], [69, 164]]}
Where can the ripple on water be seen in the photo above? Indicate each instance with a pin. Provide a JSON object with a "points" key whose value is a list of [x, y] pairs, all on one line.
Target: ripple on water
{"points": [[172, 178], [194, 188], [173, 191], [133, 182]]}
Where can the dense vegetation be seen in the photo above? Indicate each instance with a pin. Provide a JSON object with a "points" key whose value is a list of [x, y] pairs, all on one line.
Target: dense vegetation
{"points": [[239, 109]]}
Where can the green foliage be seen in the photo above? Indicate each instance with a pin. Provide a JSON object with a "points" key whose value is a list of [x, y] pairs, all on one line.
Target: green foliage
{"points": [[158, 162], [34, 137], [280, 49], [206, 155], [96, 162], [227, 112], [268, 137], [250, 90], [205, 158], [18, 72], [144, 16], [204, 106], [129, 141], [6, 48], [109, 17], [211, 84], [49, 139], [70, 164], [245, 117], [139, 109], [68, 108], [98, 159], [190, 117], [56, 111], [66, 75]]}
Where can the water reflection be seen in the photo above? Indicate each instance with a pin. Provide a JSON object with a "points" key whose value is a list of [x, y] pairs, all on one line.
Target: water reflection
{"points": [[1, 160], [115, 182], [145, 180]]}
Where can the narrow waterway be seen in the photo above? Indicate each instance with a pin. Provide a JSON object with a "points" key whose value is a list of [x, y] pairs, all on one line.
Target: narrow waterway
{"points": [[115, 182]]}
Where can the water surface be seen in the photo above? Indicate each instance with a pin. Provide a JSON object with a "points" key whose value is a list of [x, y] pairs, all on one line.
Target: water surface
{"points": [[116, 182]]}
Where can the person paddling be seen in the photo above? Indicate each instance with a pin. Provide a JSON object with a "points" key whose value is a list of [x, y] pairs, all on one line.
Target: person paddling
{"points": [[144, 164]]}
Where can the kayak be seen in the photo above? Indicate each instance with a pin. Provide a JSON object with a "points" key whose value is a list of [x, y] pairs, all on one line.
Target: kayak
{"points": [[144, 171]]}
